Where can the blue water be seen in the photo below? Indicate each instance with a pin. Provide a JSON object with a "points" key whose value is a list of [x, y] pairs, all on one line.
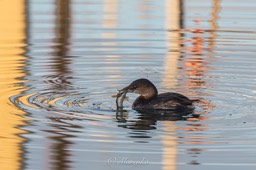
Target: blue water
{"points": [[77, 54]]}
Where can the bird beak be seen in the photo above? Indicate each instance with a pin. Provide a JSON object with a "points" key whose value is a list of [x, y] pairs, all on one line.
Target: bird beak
{"points": [[126, 90]]}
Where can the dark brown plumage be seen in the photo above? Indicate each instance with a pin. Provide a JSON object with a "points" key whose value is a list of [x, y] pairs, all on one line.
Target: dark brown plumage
{"points": [[150, 99]]}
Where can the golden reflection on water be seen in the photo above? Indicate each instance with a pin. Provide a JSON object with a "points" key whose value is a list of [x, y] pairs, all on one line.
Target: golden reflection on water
{"points": [[12, 31], [173, 36], [110, 21], [173, 25], [214, 26], [195, 66], [170, 145]]}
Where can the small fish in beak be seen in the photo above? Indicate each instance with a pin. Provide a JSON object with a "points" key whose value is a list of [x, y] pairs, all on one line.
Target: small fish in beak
{"points": [[120, 97]]}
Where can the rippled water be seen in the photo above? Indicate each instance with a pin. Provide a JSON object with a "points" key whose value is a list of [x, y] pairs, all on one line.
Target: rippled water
{"points": [[62, 61]]}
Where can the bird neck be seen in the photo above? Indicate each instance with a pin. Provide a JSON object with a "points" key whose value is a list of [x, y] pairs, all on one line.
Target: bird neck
{"points": [[149, 93]]}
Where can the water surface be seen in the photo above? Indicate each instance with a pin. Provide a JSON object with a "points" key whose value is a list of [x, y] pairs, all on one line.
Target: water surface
{"points": [[61, 62]]}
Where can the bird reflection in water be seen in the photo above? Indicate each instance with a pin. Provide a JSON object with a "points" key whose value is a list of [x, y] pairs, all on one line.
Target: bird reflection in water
{"points": [[147, 119]]}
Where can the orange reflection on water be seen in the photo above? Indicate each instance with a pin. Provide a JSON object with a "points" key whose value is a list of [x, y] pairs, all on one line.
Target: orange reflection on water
{"points": [[194, 66], [170, 146], [12, 31]]}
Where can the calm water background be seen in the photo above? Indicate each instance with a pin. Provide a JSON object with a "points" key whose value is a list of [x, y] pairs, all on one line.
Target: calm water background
{"points": [[61, 61]]}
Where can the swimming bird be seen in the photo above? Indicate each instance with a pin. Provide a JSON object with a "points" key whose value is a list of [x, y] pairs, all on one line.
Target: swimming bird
{"points": [[149, 99]]}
